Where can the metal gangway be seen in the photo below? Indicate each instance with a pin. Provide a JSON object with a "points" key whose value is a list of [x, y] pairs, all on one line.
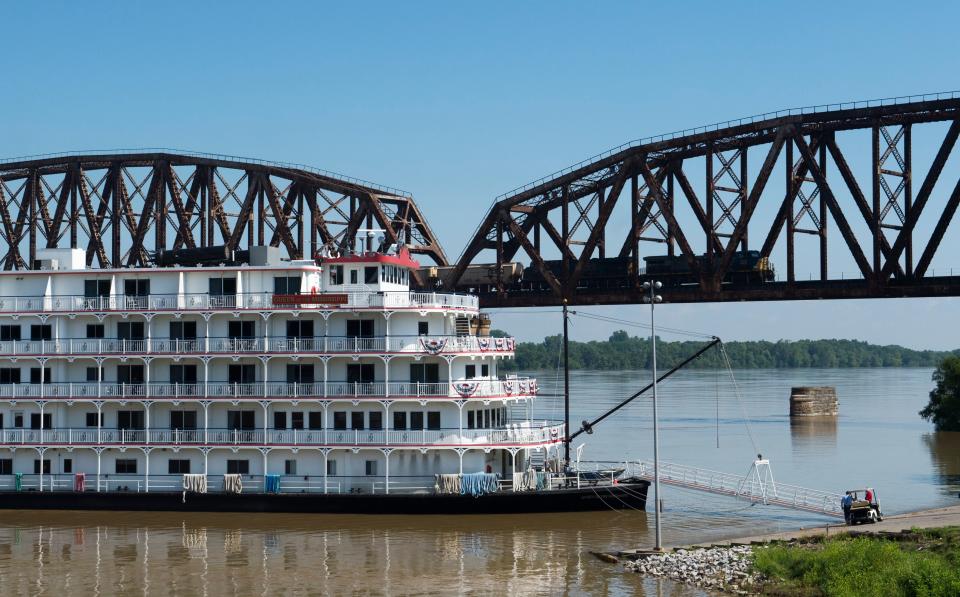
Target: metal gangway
{"points": [[757, 486]]}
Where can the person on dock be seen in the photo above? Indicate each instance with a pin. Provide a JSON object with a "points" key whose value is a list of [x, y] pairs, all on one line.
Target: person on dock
{"points": [[846, 502]]}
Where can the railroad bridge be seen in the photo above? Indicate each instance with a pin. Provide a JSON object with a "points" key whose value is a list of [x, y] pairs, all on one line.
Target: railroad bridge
{"points": [[719, 213]]}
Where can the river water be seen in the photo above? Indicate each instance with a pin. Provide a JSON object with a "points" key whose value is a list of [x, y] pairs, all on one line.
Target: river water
{"points": [[877, 440]]}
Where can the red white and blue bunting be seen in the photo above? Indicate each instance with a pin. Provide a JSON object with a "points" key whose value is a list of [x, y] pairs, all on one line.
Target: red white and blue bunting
{"points": [[466, 388], [433, 345]]}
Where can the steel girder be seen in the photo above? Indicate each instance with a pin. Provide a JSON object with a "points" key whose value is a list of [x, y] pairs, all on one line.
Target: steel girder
{"points": [[653, 179], [118, 207]]}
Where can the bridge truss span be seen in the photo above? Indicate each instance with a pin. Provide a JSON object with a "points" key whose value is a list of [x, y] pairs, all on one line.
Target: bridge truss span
{"points": [[121, 205], [851, 202]]}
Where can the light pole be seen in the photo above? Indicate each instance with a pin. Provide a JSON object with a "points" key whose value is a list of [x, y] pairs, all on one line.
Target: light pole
{"points": [[653, 298]]}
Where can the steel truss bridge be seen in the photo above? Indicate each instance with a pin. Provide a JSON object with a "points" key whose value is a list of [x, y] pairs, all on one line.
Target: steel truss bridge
{"points": [[823, 182], [572, 215], [119, 206]]}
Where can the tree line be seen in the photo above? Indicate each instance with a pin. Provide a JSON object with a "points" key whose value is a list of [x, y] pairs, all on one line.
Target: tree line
{"points": [[623, 351]]}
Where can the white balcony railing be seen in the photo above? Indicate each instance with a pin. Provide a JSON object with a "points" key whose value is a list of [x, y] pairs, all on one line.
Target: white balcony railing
{"points": [[520, 386], [250, 300], [525, 432], [231, 346]]}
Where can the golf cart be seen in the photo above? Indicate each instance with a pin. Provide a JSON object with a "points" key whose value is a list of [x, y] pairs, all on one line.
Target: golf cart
{"points": [[863, 510]]}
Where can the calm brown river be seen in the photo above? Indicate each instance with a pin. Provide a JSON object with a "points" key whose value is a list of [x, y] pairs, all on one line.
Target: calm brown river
{"points": [[878, 440]]}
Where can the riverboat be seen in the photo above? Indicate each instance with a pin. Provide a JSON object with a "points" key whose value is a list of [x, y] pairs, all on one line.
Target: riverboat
{"points": [[241, 381]]}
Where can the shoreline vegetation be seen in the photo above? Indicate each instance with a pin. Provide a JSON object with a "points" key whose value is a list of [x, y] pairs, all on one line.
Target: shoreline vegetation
{"points": [[622, 351]]}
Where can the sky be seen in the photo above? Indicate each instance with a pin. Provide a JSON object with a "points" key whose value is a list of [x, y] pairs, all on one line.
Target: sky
{"points": [[459, 102]]}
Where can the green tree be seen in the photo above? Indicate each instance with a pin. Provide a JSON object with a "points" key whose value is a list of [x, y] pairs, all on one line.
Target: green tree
{"points": [[944, 407]]}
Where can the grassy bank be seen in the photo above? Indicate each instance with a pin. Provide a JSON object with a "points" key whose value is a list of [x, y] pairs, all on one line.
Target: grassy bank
{"points": [[919, 562]]}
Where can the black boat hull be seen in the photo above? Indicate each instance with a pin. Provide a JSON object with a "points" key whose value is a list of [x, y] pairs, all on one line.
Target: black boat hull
{"points": [[624, 496]]}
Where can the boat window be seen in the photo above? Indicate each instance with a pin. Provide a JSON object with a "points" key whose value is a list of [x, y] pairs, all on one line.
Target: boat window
{"points": [[126, 466], [296, 420], [35, 421], [46, 467], [6, 466], [238, 467], [362, 373], [241, 374], [471, 371], [331, 467], [41, 332], [92, 419], [286, 285], [423, 328], [9, 376], [424, 373], [241, 419], [297, 328], [10, 332], [280, 420], [416, 420], [35, 375], [96, 288], [340, 420], [129, 419], [183, 419], [183, 374], [470, 420], [433, 419], [223, 286], [242, 329], [183, 330], [95, 330], [92, 374], [360, 328], [370, 275], [376, 420], [130, 330], [315, 421], [484, 370], [136, 287], [399, 420], [371, 468], [356, 420], [130, 374], [353, 276], [300, 373], [178, 466], [336, 275], [290, 467], [68, 465]]}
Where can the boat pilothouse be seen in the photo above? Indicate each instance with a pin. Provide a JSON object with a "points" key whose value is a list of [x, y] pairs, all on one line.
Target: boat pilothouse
{"points": [[244, 374]]}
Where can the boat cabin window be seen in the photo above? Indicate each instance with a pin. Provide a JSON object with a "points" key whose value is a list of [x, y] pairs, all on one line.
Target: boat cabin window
{"points": [[416, 420], [129, 419], [130, 374], [423, 328], [336, 275], [399, 420], [433, 419], [315, 420], [130, 330], [286, 285], [41, 332], [18, 420], [242, 374], [241, 419], [35, 421], [360, 328], [424, 373], [362, 373], [223, 286], [242, 329], [35, 375], [484, 370], [340, 420], [279, 420], [238, 467], [136, 287], [299, 373], [290, 467], [376, 420], [353, 276], [296, 420], [6, 466], [371, 468], [92, 374], [68, 465], [92, 419], [96, 288], [471, 371], [9, 332], [183, 374], [183, 419], [356, 420], [300, 329], [95, 330], [126, 466], [370, 275], [331, 467], [178, 466], [46, 466], [183, 330], [471, 420], [9, 376]]}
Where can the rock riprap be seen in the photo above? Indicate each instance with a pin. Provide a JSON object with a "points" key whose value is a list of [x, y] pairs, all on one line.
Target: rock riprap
{"points": [[725, 568]]}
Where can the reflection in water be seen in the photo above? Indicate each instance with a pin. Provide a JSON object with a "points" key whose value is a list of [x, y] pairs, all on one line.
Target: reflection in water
{"points": [[813, 434], [945, 449]]}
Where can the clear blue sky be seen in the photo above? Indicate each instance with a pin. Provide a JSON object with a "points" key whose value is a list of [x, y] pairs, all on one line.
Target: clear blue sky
{"points": [[459, 102]]}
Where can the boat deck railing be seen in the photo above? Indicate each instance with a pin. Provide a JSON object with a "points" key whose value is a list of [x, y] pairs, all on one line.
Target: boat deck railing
{"points": [[260, 301]]}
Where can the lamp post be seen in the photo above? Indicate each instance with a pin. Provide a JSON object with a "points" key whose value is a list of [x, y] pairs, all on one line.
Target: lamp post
{"points": [[653, 298]]}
